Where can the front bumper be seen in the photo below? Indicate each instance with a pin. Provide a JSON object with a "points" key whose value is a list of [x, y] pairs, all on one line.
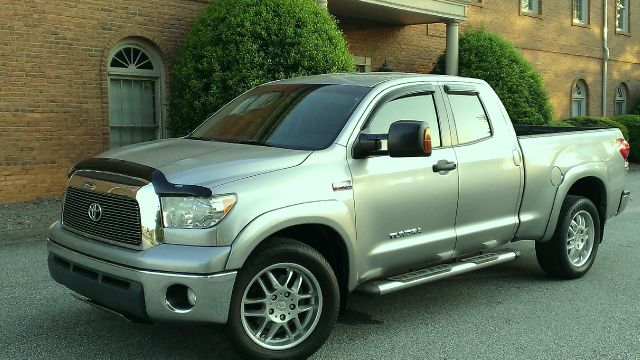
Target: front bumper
{"points": [[139, 293]]}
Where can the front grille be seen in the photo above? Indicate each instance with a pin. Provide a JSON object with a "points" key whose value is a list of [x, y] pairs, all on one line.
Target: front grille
{"points": [[119, 221]]}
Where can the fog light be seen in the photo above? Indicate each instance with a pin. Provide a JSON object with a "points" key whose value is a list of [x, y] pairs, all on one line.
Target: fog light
{"points": [[191, 297], [180, 298]]}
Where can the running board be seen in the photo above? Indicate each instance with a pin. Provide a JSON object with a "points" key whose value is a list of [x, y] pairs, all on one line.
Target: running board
{"points": [[423, 276]]}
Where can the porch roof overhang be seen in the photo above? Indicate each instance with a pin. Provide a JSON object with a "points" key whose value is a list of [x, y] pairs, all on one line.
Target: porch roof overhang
{"points": [[401, 12]]}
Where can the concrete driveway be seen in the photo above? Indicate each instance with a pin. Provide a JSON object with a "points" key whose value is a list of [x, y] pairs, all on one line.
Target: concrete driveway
{"points": [[511, 311]]}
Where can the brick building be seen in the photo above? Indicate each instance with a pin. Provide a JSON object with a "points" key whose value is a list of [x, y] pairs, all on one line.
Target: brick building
{"points": [[79, 77]]}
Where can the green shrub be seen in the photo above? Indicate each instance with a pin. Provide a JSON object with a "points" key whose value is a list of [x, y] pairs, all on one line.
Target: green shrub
{"points": [[636, 109], [487, 56], [591, 121], [238, 44], [632, 122], [561, 123]]}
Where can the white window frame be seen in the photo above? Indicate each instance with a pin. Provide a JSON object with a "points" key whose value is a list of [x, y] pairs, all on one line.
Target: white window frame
{"points": [[157, 75], [533, 7], [622, 100], [579, 95], [581, 15], [622, 16]]}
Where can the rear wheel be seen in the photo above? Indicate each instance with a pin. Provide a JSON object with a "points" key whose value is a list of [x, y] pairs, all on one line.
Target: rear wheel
{"points": [[572, 250], [284, 304]]}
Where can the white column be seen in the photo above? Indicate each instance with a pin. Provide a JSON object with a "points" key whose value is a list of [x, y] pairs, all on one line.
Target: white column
{"points": [[452, 48], [322, 3]]}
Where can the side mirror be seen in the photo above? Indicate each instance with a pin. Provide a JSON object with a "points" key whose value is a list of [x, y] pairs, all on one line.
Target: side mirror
{"points": [[409, 139]]}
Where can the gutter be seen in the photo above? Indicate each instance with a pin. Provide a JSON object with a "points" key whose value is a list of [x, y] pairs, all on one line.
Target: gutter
{"points": [[605, 58]]}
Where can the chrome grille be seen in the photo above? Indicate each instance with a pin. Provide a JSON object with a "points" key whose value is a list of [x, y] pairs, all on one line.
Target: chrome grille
{"points": [[120, 220]]}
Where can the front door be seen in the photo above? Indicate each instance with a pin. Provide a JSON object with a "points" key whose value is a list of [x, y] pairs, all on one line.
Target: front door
{"points": [[405, 211]]}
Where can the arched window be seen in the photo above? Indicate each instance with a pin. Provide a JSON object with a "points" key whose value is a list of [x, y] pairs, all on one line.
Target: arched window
{"points": [[135, 93], [579, 98], [621, 100]]}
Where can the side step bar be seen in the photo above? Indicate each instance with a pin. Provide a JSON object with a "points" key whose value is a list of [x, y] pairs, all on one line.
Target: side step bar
{"points": [[423, 276]]}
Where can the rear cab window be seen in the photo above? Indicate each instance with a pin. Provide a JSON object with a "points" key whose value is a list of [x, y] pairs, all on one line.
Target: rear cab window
{"points": [[470, 117]]}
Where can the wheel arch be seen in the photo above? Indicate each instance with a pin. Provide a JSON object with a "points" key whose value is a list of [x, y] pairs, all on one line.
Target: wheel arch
{"points": [[589, 182], [325, 226]]}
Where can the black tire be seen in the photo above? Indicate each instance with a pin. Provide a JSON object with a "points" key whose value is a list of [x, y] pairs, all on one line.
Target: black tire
{"points": [[554, 255], [280, 251]]}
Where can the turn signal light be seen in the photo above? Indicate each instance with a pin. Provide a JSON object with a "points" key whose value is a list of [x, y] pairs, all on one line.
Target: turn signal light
{"points": [[624, 148], [426, 141]]}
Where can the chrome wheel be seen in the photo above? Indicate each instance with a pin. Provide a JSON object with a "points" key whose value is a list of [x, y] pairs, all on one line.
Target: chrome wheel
{"points": [[281, 306], [580, 238]]}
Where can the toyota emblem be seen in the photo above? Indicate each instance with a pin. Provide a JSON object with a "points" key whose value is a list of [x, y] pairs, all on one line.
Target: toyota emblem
{"points": [[95, 212]]}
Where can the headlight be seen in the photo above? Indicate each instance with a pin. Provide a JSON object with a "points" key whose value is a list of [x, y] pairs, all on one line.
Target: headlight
{"points": [[194, 212]]}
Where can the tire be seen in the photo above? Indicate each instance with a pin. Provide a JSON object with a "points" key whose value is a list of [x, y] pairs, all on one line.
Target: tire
{"points": [[301, 301], [572, 249]]}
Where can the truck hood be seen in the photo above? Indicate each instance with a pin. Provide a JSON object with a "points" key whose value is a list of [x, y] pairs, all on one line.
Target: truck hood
{"points": [[207, 163]]}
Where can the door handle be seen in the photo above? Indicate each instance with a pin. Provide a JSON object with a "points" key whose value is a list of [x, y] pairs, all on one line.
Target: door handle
{"points": [[444, 165]]}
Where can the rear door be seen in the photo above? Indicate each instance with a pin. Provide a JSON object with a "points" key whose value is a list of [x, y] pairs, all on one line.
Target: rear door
{"points": [[489, 172]]}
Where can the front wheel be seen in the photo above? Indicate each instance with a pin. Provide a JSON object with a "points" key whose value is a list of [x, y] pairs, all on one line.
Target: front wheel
{"points": [[572, 250], [284, 304]]}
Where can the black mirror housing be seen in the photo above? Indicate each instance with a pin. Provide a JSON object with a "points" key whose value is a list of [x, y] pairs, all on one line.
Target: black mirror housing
{"points": [[409, 138], [367, 145]]}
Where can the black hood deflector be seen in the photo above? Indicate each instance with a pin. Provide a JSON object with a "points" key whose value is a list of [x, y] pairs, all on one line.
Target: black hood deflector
{"points": [[161, 185]]}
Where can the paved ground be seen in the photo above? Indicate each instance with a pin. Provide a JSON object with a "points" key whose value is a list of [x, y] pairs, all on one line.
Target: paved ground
{"points": [[511, 311]]}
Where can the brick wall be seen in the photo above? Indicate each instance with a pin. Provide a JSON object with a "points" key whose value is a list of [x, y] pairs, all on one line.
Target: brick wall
{"points": [[53, 68], [411, 48], [53, 103], [561, 51], [564, 52]]}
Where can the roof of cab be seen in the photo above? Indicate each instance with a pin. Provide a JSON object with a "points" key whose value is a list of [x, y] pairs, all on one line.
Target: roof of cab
{"points": [[371, 79]]}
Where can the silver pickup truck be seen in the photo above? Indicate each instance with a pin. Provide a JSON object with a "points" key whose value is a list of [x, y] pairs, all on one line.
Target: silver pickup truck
{"points": [[301, 191]]}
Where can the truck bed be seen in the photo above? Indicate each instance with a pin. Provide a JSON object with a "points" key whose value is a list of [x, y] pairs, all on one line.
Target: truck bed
{"points": [[527, 130], [546, 149]]}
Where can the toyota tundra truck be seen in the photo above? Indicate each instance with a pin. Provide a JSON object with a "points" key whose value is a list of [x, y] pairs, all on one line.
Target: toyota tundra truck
{"points": [[302, 191]]}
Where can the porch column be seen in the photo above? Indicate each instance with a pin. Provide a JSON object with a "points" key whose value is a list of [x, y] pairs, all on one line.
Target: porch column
{"points": [[322, 3], [452, 48]]}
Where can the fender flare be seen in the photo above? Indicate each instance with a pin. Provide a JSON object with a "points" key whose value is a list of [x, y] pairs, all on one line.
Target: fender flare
{"points": [[573, 175], [331, 213]]}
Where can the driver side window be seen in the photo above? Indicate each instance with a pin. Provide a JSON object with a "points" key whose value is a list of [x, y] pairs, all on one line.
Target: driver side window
{"points": [[418, 107]]}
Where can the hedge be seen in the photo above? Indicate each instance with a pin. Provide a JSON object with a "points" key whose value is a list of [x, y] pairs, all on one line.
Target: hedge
{"points": [[561, 123], [590, 121], [632, 122], [238, 44], [487, 56]]}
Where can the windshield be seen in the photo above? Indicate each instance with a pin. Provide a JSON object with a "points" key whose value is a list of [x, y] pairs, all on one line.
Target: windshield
{"points": [[293, 116]]}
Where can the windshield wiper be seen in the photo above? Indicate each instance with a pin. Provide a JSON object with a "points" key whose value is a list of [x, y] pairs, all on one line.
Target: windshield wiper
{"points": [[246, 142]]}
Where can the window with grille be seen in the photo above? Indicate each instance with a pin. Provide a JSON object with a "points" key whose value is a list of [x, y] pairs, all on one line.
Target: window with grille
{"points": [[581, 12], [579, 99], [134, 96], [621, 100], [622, 15], [531, 7]]}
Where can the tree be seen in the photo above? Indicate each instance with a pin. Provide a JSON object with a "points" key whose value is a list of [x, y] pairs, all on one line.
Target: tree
{"points": [[487, 56], [238, 44]]}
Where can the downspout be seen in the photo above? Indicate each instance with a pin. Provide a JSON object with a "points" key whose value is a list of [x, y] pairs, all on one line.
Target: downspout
{"points": [[605, 58]]}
